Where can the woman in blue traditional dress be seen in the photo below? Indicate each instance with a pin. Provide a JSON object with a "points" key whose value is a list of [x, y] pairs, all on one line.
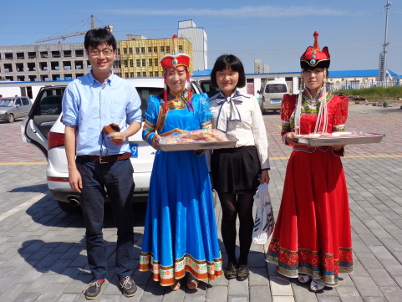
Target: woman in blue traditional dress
{"points": [[180, 233]]}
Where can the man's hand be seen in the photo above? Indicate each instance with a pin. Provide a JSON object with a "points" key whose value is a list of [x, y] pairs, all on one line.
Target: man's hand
{"points": [[117, 138], [75, 180]]}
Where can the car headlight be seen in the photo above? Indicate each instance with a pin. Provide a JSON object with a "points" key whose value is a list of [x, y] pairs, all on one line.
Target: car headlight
{"points": [[2, 111]]}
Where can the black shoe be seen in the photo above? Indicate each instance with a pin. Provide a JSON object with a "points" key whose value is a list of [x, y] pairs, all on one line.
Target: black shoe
{"points": [[231, 271], [92, 289], [128, 286], [242, 272]]}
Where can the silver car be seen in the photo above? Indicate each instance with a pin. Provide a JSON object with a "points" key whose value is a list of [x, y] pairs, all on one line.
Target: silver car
{"points": [[14, 107]]}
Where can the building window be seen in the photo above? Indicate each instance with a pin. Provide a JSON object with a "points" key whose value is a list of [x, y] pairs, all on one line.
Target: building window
{"points": [[143, 62], [19, 67], [156, 62], [125, 63], [142, 49], [131, 63], [8, 68], [124, 51], [67, 53], [151, 74], [138, 74], [149, 49], [130, 50], [155, 49], [144, 74], [162, 48], [31, 67], [168, 49], [150, 62], [126, 75], [180, 48], [137, 62], [56, 54], [157, 73], [79, 53], [131, 74], [137, 50]]}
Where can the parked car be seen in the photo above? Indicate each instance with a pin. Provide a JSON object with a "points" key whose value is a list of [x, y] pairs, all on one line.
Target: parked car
{"points": [[271, 93], [14, 107], [43, 128], [206, 87]]}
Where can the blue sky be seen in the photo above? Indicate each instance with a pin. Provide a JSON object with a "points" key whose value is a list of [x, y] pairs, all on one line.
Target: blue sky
{"points": [[276, 32]]}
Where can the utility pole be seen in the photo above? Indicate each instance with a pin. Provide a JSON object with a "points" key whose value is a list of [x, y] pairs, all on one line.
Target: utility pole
{"points": [[384, 53]]}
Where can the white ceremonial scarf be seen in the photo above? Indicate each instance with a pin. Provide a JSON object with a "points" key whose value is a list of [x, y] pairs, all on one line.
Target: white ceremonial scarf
{"points": [[228, 111]]}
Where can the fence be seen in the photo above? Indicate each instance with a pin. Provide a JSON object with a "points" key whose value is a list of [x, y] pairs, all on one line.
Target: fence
{"points": [[361, 85]]}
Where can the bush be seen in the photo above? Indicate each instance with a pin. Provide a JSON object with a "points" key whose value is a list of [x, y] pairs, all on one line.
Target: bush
{"points": [[374, 93]]}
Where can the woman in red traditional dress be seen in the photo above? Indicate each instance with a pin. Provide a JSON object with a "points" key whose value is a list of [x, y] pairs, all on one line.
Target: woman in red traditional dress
{"points": [[312, 236]]}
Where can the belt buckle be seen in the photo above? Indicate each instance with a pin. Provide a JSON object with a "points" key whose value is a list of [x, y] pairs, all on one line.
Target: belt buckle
{"points": [[100, 159]]}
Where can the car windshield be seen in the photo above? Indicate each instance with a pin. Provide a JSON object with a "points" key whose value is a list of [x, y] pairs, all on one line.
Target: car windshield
{"points": [[275, 88], [6, 103]]}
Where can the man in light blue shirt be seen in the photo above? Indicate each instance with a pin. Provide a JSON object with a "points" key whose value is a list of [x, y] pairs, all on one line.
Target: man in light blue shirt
{"points": [[100, 111]]}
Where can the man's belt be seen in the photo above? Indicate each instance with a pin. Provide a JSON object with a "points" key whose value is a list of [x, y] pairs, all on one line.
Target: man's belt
{"points": [[107, 159]]}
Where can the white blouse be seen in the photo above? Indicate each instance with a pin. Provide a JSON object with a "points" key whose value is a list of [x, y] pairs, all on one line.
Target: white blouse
{"points": [[241, 117]]}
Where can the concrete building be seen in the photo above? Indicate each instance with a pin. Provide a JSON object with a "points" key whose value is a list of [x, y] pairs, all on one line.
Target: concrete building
{"points": [[136, 57], [198, 38], [257, 66], [139, 56], [44, 62]]}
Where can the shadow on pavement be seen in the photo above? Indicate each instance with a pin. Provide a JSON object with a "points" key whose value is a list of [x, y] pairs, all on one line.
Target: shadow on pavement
{"points": [[35, 188], [67, 259], [46, 212]]}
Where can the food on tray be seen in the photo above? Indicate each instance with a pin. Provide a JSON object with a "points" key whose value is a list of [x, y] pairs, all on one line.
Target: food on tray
{"points": [[196, 136], [339, 138], [335, 134]]}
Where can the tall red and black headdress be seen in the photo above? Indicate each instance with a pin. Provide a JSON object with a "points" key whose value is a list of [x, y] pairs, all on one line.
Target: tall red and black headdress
{"points": [[314, 57]]}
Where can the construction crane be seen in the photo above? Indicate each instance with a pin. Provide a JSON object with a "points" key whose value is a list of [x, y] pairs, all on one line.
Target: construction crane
{"points": [[109, 27]]}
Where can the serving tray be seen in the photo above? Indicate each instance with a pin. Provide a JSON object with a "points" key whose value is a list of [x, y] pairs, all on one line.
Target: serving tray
{"points": [[340, 138], [230, 143]]}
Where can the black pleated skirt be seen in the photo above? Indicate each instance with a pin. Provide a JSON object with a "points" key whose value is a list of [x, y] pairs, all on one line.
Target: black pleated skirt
{"points": [[235, 170]]}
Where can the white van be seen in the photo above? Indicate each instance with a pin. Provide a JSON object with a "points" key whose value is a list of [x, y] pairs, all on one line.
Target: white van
{"points": [[271, 93]]}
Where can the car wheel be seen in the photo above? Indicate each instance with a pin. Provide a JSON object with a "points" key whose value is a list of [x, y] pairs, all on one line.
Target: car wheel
{"points": [[68, 208], [11, 118]]}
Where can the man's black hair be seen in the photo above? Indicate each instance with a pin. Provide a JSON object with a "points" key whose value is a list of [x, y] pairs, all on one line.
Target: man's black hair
{"points": [[99, 36]]}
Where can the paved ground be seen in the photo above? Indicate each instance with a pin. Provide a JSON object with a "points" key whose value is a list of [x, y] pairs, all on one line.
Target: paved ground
{"points": [[42, 254]]}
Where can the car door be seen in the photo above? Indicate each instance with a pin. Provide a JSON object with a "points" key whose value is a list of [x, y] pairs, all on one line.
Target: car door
{"points": [[44, 113], [17, 108], [26, 106]]}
